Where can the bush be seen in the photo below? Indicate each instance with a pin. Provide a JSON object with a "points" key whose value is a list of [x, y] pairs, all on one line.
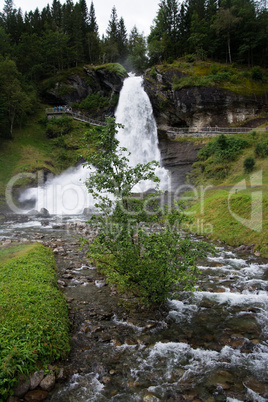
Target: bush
{"points": [[257, 73], [94, 101], [223, 148], [261, 149], [249, 164], [57, 127], [190, 58]]}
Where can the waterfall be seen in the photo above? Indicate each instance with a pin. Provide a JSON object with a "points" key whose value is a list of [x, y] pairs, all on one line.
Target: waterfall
{"points": [[139, 134], [67, 194]]}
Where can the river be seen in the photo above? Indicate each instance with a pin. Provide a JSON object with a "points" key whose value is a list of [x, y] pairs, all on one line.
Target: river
{"points": [[209, 345]]}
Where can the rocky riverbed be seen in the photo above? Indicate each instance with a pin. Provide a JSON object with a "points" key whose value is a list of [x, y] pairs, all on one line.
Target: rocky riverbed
{"points": [[207, 346]]}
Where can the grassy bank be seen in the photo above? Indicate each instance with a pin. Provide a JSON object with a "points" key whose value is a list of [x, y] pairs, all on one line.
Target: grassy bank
{"points": [[34, 325], [228, 203]]}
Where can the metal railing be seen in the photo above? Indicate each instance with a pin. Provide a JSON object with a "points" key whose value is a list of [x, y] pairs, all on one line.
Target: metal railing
{"points": [[75, 115], [209, 131]]}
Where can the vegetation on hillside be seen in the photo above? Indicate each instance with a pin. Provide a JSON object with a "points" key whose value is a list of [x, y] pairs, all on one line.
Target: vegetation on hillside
{"points": [[230, 199], [34, 324], [189, 72]]}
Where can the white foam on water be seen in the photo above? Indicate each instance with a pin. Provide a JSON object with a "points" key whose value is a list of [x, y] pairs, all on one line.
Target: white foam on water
{"points": [[255, 397], [181, 311], [254, 270], [128, 324], [237, 262], [65, 194], [235, 299], [80, 388], [200, 362]]}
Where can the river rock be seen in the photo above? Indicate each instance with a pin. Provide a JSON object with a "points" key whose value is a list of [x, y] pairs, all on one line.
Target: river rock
{"points": [[33, 212], [48, 383], [36, 396], [22, 387], [62, 284], [13, 398], [259, 387], [36, 378], [44, 212]]}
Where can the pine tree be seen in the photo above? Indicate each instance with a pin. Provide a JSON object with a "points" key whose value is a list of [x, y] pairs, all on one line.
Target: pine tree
{"points": [[111, 49], [93, 41], [137, 51], [122, 40]]}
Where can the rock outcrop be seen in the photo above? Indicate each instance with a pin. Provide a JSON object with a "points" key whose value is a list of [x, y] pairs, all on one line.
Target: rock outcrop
{"points": [[76, 86], [197, 107]]}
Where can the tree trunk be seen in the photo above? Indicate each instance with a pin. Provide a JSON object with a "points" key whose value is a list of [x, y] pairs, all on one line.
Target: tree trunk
{"points": [[229, 48]]}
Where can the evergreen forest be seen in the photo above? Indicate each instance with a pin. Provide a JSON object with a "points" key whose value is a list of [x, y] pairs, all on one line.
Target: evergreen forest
{"points": [[38, 44]]}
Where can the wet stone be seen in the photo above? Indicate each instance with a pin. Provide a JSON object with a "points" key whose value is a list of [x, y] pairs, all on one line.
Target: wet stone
{"points": [[257, 386], [48, 383], [36, 396]]}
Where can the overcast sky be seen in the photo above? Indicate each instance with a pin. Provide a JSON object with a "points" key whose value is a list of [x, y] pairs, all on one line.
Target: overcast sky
{"points": [[134, 12]]}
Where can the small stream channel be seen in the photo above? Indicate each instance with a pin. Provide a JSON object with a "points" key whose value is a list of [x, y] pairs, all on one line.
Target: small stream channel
{"points": [[207, 346]]}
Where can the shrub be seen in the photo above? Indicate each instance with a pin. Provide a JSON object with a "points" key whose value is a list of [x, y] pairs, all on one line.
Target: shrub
{"points": [[261, 149], [249, 164], [57, 127], [94, 101], [257, 73], [223, 148], [190, 58]]}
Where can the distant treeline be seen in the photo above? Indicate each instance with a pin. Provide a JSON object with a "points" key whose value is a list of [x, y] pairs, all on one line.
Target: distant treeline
{"points": [[66, 35]]}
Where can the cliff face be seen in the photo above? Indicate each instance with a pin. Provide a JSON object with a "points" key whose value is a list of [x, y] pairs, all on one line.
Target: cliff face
{"points": [[79, 84], [177, 157], [197, 107]]}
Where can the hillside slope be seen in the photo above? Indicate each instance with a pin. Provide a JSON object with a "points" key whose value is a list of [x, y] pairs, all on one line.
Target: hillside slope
{"points": [[230, 203]]}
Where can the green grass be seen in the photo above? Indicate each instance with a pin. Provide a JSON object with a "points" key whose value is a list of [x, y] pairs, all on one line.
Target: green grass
{"points": [[226, 211], [34, 325]]}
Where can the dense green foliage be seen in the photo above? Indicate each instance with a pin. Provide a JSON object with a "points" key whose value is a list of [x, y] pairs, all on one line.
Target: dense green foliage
{"points": [[249, 164], [145, 261], [58, 127], [223, 148], [34, 326], [261, 149], [233, 31], [214, 158]]}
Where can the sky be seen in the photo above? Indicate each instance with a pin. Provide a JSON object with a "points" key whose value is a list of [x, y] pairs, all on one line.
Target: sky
{"points": [[134, 12]]}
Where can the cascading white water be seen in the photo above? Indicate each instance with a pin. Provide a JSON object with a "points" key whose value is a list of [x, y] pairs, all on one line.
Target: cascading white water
{"points": [[139, 134], [67, 194]]}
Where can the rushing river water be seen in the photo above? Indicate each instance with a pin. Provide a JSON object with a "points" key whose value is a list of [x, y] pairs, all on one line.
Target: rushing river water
{"points": [[210, 345]]}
